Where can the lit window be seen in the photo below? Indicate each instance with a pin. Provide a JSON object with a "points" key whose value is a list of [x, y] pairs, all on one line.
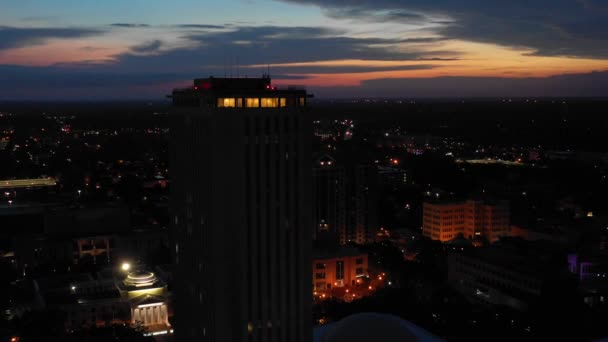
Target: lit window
{"points": [[252, 102], [239, 102], [270, 102], [302, 101], [283, 102], [226, 102]]}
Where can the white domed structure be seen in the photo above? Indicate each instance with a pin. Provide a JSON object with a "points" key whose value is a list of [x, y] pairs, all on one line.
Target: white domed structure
{"points": [[140, 278], [365, 327]]}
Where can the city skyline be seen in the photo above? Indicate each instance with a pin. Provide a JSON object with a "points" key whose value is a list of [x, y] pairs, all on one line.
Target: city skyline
{"points": [[303, 170], [80, 51]]}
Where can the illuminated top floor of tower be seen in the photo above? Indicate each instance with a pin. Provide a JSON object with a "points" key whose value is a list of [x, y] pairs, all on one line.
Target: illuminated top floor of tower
{"points": [[239, 93]]}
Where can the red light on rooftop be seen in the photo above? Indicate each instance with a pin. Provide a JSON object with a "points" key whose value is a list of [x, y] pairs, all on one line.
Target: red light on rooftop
{"points": [[195, 87]]}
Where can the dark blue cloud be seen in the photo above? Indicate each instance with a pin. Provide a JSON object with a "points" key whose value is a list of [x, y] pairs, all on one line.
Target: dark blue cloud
{"points": [[551, 27], [330, 69], [273, 45], [92, 75], [129, 25], [199, 26], [147, 47], [149, 71], [67, 83], [183, 26], [13, 37]]}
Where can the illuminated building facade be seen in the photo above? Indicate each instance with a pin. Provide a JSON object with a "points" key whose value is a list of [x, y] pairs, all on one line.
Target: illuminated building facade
{"points": [[340, 268], [240, 204], [146, 294], [443, 221], [108, 297]]}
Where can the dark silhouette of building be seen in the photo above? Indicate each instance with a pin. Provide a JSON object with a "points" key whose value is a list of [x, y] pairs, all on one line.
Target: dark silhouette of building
{"points": [[240, 201], [345, 199], [329, 198], [512, 273]]}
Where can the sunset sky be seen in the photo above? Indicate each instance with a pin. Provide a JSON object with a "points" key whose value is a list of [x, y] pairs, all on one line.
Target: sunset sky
{"points": [[115, 49]]}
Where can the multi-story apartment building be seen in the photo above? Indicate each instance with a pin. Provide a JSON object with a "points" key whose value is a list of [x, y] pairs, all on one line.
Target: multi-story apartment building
{"points": [[444, 221]]}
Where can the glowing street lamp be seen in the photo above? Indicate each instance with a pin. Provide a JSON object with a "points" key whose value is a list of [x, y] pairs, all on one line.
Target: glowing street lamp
{"points": [[125, 266]]}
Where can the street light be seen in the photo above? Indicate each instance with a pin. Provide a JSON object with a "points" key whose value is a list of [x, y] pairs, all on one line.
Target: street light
{"points": [[125, 266]]}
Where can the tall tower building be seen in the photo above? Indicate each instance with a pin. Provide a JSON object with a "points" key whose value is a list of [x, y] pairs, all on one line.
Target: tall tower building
{"points": [[345, 199], [329, 198], [240, 201]]}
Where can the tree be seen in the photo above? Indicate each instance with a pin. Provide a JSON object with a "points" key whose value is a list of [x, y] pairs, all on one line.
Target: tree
{"points": [[116, 332]]}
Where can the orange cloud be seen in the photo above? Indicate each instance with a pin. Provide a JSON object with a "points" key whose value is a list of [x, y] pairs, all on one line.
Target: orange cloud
{"points": [[476, 60], [61, 51]]}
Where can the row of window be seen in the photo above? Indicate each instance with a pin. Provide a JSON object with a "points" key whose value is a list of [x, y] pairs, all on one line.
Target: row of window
{"points": [[322, 266], [254, 102]]}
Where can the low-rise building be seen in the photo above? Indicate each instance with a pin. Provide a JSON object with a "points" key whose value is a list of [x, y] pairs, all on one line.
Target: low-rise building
{"points": [[137, 297], [340, 268], [516, 274]]}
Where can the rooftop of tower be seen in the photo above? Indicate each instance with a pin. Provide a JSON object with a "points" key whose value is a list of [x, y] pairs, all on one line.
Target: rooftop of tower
{"points": [[239, 92]]}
